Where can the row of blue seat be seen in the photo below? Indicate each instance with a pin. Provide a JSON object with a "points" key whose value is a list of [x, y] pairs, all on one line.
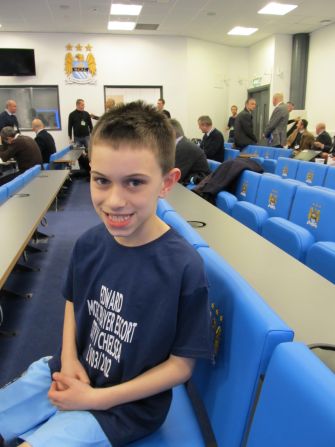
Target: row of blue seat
{"points": [[296, 218], [12, 187], [251, 335]]}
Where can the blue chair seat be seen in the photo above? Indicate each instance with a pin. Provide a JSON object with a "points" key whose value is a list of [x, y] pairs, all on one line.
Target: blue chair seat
{"points": [[180, 427], [249, 214], [321, 258], [225, 201]]}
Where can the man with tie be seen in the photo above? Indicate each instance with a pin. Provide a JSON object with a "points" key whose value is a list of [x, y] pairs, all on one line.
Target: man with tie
{"points": [[212, 142]]}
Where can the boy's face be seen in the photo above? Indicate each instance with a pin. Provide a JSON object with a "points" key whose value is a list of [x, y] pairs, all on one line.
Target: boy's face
{"points": [[125, 186]]}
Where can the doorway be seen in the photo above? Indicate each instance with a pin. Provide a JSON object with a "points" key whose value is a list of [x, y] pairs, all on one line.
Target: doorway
{"points": [[261, 113]]}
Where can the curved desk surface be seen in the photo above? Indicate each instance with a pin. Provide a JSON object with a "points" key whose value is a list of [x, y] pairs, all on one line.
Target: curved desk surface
{"points": [[21, 214], [301, 297]]}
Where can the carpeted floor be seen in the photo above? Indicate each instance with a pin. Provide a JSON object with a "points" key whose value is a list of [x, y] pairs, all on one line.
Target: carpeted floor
{"points": [[38, 321]]}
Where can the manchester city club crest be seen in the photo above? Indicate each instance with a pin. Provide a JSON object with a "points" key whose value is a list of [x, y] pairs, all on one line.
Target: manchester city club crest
{"points": [[244, 189], [272, 202], [313, 217], [80, 66]]}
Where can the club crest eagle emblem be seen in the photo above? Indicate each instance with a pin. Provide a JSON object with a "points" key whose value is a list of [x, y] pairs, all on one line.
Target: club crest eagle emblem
{"points": [[80, 66]]}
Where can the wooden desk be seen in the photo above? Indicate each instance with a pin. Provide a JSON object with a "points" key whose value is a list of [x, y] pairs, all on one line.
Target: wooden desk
{"points": [[70, 157], [22, 213], [303, 299]]}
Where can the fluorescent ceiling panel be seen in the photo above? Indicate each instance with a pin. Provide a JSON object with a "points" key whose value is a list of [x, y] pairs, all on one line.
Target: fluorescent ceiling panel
{"points": [[242, 31], [121, 26], [278, 9], [125, 10]]}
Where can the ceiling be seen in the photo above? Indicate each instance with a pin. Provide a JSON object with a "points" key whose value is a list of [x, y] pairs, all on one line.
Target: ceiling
{"points": [[208, 20]]}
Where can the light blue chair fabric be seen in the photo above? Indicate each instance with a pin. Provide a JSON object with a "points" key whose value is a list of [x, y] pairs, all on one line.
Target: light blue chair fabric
{"points": [[163, 206], [274, 198], [311, 174], [246, 190], [213, 164], [296, 407], [321, 258], [184, 229], [230, 153], [287, 167], [3, 193], [15, 185], [282, 152], [250, 332], [310, 221], [269, 165], [330, 178]]}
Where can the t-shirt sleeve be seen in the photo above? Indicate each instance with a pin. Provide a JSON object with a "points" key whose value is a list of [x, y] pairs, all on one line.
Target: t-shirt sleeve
{"points": [[194, 336]]}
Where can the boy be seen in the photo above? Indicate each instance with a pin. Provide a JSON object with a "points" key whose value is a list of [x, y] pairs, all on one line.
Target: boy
{"points": [[136, 313]]}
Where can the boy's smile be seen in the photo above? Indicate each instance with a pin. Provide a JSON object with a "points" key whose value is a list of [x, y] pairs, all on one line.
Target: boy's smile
{"points": [[125, 185]]}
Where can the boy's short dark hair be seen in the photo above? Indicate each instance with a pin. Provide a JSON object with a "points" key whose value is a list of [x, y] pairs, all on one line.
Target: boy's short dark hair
{"points": [[137, 124]]}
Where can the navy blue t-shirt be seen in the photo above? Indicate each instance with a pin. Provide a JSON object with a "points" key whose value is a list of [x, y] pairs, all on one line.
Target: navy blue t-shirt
{"points": [[134, 306]]}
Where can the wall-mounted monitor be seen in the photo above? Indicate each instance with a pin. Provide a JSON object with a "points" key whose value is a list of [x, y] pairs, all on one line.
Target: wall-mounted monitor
{"points": [[17, 62]]}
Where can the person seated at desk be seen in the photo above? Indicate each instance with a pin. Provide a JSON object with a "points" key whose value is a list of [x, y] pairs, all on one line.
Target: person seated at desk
{"points": [[301, 138], [323, 141], [44, 139], [212, 142], [190, 159], [20, 147]]}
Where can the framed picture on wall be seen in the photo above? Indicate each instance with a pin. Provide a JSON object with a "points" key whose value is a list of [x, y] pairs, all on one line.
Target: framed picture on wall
{"points": [[116, 94]]}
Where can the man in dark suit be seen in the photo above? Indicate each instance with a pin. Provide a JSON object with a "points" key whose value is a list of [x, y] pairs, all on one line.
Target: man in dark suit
{"points": [[275, 130], [8, 117], [244, 131], [190, 159], [22, 148], [44, 140], [212, 142]]}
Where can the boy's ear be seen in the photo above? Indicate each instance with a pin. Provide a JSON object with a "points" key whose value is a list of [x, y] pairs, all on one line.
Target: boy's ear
{"points": [[169, 180]]}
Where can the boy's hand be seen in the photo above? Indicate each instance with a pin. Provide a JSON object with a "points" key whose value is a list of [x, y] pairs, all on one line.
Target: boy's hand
{"points": [[68, 393]]}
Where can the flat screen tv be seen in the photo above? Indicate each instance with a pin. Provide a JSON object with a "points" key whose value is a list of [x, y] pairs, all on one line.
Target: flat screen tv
{"points": [[17, 62]]}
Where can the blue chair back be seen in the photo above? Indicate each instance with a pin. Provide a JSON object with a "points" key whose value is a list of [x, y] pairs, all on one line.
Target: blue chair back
{"points": [[330, 178], [275, 195], [311, 173], [3, 193], [162, 207], [230, 153], [282, 152], [15, 185], [213, 164], [250, 330], [297, 401], [247, 186], [184, 229], [314, 210], [287, 167]]}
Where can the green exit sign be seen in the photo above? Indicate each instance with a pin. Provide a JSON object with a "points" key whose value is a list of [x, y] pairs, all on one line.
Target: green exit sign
{"points": [[257, 82]]}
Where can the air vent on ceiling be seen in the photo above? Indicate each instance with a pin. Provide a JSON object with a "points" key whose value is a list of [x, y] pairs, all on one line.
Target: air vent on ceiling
{"points": [[147, 26]]}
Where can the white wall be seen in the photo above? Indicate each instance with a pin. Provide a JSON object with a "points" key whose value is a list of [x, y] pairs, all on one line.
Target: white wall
{"points": [[320, 94], [190, 71]]}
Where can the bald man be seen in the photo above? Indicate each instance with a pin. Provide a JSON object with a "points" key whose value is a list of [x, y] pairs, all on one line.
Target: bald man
{"points": [[44, 139], [323, 140], [8, 117], [275, 131]]}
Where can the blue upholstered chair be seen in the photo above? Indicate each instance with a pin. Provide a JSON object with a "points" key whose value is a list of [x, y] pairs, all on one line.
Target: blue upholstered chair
{"points": [[213, 164], [250, 331], [287, 167], [230, 153], [311, 173], [163, 206], [184, 228], [246, 189], [321, 258], [297, 401], [274, 198], [283, 152], [310, 221], [269, 165], [15, 185], [3, 193], [329, 181]]}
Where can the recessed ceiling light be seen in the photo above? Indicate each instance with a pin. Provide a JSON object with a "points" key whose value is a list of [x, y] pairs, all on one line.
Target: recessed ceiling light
{"points": [[278, 9], [125, 10], [121, 26], [242, 31]]}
